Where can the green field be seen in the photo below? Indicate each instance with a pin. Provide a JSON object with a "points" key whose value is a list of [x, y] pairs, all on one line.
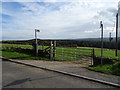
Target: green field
{"points": [[19, 46], [69, 53]]}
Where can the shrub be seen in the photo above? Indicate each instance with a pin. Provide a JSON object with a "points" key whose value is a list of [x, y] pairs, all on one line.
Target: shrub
{"points": [[116, 68]]}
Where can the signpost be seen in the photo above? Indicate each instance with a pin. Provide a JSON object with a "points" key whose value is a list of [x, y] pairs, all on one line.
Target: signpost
{"points": [[101, 26]]}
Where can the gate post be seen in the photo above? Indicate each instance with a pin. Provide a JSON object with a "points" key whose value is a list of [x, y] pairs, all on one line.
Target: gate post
{"points": [[51, 50], [42, 45], [54, 49]]}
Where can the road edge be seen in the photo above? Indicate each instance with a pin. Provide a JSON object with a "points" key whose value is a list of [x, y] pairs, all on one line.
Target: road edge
{"points": [[66, 73]]}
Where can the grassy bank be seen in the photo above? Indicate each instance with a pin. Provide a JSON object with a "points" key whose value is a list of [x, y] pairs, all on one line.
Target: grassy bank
{"points": [[107, 68]]}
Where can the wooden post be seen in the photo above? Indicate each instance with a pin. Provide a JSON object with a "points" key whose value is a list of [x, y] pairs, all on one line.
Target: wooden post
{"points": [[54, 49], [62, 53], [93, 54], [101, 25], [116, 52], [51, 50], [43, 45]]}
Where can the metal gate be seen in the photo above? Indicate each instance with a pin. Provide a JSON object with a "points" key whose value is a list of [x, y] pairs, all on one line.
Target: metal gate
{"points": [[78, 55]]}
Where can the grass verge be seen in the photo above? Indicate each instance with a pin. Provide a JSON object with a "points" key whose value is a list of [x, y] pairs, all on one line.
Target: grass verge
{"points": [[22, 56], [107, 68]]}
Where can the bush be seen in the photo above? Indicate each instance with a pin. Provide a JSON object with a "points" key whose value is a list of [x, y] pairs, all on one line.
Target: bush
{"points": [[116, 68], [112, 68]]}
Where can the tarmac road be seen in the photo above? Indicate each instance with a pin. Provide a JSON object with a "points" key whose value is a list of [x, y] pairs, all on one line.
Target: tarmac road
{"points": [[21, 76]]}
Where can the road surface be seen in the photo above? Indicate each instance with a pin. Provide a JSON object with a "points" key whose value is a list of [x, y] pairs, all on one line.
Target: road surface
{"points": [[21, 76]]}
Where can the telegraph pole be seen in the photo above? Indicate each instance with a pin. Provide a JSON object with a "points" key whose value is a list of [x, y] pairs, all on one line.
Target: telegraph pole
{"points": [[116, 53], [36, 44], [101, 26]]}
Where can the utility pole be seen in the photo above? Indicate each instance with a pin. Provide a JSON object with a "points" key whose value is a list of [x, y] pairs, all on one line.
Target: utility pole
{"points": [[116, 53], [101, 26], [36, 44]]}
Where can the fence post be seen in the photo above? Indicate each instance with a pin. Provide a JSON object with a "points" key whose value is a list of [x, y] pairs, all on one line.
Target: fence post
{"points": [[54, 49], [62, 53], [51, 50], [42, 46], [93, 55], [75, 54]]}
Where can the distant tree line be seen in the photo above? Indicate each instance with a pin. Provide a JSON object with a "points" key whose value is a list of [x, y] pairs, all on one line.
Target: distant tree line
{"points": [[68, 43], [97, 44]]}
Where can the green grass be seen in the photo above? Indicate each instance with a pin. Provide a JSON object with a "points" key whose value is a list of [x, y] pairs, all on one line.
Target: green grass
{"points": [[19, 46], [16, 55], [82, 51], [107, 68], [107, 53], [69, 53]]}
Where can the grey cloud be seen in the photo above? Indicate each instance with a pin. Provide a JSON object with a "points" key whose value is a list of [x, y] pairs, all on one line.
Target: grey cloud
{"points": [[103, 13], [107, 13], [112, 10]]}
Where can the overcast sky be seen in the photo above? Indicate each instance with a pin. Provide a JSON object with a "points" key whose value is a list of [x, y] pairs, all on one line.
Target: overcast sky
{"points": [[57, 19]]}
